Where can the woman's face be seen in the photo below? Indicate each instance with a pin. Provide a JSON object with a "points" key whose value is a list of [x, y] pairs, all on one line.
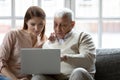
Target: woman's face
{"points": [[35, 25]]}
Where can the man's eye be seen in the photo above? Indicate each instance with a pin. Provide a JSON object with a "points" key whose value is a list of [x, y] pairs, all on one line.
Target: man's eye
{"points": [[63, 25]]}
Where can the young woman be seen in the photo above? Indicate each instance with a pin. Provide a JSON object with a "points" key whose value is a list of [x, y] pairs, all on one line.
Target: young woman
{"points": [[32, 35]]}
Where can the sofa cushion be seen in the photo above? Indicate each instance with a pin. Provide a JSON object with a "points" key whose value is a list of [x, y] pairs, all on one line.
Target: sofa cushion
{"points": [[107, 64]]}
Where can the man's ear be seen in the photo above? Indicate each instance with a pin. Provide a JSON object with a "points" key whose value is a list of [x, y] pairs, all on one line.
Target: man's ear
{"points": [[73, 23]]}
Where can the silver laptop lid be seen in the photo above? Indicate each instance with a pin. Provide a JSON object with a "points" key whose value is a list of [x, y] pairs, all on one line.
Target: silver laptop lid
{"points": [[40, 61]]}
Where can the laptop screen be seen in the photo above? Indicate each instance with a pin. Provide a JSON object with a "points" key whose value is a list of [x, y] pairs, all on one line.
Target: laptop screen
{"points": [[40, 61]]}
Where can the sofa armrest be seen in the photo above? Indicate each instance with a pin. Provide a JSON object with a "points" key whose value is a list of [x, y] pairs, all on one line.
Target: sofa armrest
{"points": [[108, 64]]}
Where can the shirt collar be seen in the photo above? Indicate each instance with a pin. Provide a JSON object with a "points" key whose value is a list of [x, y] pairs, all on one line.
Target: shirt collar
{"points": [[66, 37]]}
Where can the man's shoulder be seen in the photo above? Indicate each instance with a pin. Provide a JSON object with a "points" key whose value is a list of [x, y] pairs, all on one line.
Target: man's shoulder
{"points": [[80, 34], [83, 34]]}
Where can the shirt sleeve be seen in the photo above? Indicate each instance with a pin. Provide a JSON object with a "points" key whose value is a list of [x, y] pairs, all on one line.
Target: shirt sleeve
{"points": [[86, 56], [6, 48]]}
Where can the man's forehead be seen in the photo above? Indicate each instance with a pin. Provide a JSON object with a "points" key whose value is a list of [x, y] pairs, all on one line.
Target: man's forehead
{"points": [[63, 19]]}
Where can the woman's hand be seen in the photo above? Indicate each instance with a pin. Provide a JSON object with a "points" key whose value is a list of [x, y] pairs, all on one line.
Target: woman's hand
{"points": [[25, 78], [40, 42], [39, 45]]}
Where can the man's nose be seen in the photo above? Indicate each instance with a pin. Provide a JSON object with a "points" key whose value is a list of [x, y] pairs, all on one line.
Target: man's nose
{"points": [[58, 27]]}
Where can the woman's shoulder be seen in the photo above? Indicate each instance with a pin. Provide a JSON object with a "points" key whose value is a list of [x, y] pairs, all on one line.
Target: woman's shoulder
{"points": [[13, 32]]}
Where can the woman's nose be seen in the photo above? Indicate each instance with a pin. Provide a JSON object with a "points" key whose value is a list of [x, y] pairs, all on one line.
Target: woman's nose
{"points": [[36, 27]]}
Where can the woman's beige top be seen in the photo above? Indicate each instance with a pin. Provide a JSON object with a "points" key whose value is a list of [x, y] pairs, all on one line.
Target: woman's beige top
{"points": [[10, 50]]}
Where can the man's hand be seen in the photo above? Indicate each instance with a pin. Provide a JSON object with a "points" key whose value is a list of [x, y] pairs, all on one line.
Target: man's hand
{"points": [[52, 37], [64, 58]]}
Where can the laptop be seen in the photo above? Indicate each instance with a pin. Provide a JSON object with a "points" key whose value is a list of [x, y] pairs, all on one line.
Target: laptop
{"points": [[40, 61]]}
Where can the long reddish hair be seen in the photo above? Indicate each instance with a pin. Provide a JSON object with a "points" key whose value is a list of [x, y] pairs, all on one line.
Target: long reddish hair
{"points": [[34, 11]]}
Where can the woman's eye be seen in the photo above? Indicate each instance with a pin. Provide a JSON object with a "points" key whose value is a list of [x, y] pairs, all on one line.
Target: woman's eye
{"points": [[40, 24], [32, 24], [55, 24]]}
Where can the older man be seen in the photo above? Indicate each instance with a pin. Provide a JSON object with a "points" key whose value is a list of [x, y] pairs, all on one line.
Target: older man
{"points": [[77, 50]]}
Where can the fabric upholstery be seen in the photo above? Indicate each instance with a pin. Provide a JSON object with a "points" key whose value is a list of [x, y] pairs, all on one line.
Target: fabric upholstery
{"points": [[108, 64]]}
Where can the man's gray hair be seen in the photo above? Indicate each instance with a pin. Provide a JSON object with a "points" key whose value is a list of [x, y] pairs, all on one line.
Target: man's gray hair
{"points": [[65, 12]]}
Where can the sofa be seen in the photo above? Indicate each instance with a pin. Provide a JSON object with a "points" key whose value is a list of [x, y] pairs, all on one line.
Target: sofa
{"points": [[107, 64]]}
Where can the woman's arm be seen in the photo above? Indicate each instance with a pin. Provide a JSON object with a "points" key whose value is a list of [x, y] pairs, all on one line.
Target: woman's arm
{"points": [[8, 73], [5, 54]]}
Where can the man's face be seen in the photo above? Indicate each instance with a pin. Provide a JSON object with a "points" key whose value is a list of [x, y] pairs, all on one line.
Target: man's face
{"points": [[62, 26]]}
